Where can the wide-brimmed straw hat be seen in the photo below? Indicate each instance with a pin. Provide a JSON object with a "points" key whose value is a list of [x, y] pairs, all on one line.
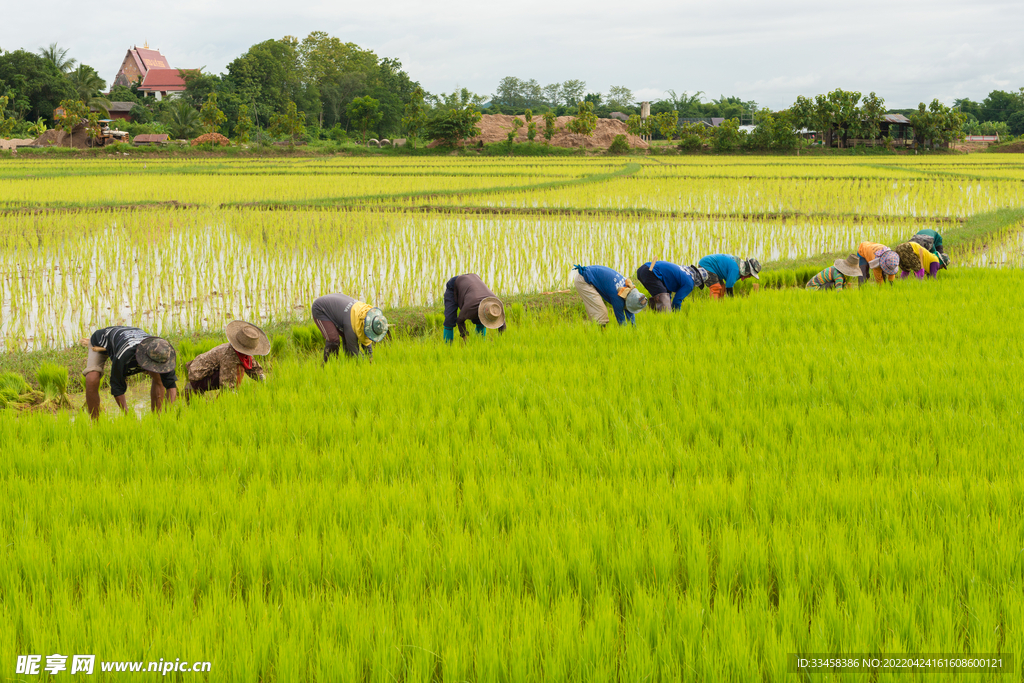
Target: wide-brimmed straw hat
{"points": [[247, 339], [154, 354], [635, 301], [889, 262], [375, 326], [491, 312], [849, 266]]}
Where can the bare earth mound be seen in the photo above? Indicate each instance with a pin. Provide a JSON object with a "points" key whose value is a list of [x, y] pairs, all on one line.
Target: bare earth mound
{"points": [[215, 138], [58, 138], [495, 128]]}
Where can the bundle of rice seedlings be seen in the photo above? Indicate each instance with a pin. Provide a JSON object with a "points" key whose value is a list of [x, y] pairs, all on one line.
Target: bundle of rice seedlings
{"points": [[16, 393], [54, 381]]}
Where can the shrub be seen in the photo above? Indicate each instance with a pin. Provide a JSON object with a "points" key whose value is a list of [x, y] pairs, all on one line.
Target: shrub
{"points": [[619, 145]]}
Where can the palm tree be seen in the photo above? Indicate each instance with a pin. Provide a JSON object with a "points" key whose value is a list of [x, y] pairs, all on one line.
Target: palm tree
{"points": [[58, 57], [183, 120], [89, 84]]}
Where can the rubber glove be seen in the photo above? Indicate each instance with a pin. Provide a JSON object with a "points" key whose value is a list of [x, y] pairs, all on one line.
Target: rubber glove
{"points": [[449, 335], [481, 330]]}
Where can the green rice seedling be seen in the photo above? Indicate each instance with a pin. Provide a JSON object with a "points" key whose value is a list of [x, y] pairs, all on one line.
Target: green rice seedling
{"points": [[53, 379], [279, 346], [516, 313], [12, 387], [530, 507]]}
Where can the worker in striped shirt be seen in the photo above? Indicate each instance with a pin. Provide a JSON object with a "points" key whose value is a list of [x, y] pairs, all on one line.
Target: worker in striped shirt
{"points": [[841, 275]]}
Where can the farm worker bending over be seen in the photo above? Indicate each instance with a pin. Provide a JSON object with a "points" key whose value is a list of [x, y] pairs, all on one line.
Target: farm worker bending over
{"points": [[598, 284], [930, 240], [878, 259], [664, 280], [224, 366], [467, 298], [840, 275], [130, 351], [341, 318], [725, 270], [930, 263]]}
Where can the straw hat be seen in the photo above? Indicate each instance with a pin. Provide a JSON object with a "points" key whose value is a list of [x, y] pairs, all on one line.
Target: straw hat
{"points": [[849, 266], [491, 312], [635, 301], [154, 354], [247, 339], [375, 326]]}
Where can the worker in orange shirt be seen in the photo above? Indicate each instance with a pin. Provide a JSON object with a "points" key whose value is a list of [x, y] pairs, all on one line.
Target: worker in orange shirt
{"points": [[879, 260]]}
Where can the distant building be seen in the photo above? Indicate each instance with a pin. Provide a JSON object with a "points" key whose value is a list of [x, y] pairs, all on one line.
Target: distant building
{"points": [[119, 111], [158, 77], [137, 63], [163, 82], [897, 126]]}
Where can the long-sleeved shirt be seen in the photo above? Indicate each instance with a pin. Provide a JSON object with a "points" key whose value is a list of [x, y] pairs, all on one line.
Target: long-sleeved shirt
{"points": [[936, 239], [607, 282], [676, 280], [224, 361], [462, 297], [726, 267], [119, 344], [831, 276], [927, 257], [870, 251], [337, 309]]}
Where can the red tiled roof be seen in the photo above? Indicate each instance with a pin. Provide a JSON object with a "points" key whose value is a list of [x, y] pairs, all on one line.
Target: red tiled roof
{"points": [[152, 59], [163, 80]]}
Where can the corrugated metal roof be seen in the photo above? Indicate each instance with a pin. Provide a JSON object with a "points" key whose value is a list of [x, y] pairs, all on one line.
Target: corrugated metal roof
{"points": [[895, 118], [163, 80]]}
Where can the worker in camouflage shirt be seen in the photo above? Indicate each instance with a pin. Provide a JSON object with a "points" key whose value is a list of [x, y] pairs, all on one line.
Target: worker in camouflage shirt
{"points": [[224, 366]]}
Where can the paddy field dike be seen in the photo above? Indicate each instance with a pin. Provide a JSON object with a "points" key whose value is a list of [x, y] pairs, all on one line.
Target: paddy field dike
{"points": [[694, 499]]}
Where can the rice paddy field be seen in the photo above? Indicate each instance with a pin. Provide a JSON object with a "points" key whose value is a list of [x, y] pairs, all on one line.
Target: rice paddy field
{"points": [[702, 497]]}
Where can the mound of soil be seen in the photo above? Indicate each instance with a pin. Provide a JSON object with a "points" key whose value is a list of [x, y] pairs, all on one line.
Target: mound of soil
{"points": [[1013, 147], [57, 138], [215, 138], [495, 128]]}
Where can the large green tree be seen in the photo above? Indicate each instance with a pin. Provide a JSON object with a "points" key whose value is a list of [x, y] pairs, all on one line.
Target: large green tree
{"points": [[88, 85], [35, 85]]}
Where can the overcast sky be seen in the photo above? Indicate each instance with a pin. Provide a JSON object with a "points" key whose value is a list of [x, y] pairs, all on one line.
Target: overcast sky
{"points": [[907, 51]]}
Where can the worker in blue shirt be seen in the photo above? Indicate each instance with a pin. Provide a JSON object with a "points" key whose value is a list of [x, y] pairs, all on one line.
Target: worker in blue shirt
{"points": [[664, 280], [725, 270], [598, 284]]}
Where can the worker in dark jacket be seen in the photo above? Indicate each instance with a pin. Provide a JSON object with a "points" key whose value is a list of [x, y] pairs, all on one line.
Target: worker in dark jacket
{"points": [[600, 284], [342, 319], [665, 281], [467, 298], [930, 240], [726, 270], [130, 351]]}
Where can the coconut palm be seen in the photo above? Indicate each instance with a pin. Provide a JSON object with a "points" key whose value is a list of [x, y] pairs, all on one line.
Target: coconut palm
{"points": [[89, 84], [183, 120], [58, 57]]}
